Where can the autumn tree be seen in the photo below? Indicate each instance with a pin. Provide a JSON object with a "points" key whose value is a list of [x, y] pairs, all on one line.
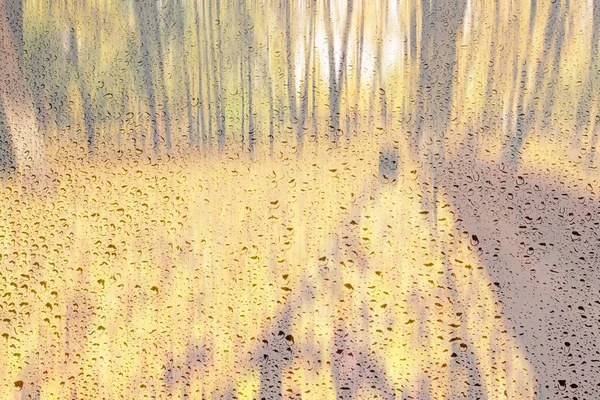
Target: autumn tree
{"points": [[16, 98]]}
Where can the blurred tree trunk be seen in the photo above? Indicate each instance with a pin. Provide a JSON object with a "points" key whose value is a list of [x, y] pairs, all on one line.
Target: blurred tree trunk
{"points": [[188, 96], [336, 82], [86, 100], [440, 22], [180, 20], [305, 81], [161, 73], [145, 27], [315, 122], [242, 88], [200, 125], [249, 47], [331, 58], [291, 73], [208, 38], [221, 92], [359, 57], [377, 78], [546, 69], [151, 48], [17, 101], [215, 67], [379, 67], [15, 20], [270, 93]]}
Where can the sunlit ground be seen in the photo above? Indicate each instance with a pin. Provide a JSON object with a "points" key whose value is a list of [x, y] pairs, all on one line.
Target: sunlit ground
{"points": [[314, 278]]}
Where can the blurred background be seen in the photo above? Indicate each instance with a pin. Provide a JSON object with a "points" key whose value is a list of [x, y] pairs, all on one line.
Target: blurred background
{"points": [[170, 76], [318, 199]]}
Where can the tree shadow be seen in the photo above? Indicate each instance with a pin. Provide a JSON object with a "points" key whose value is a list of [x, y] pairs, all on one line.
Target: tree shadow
{"points": [[275, 354], [537, 240], [353, 364]]}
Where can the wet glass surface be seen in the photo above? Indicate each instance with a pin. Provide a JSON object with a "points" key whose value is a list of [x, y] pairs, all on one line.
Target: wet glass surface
{"points": [[322, 199]]}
